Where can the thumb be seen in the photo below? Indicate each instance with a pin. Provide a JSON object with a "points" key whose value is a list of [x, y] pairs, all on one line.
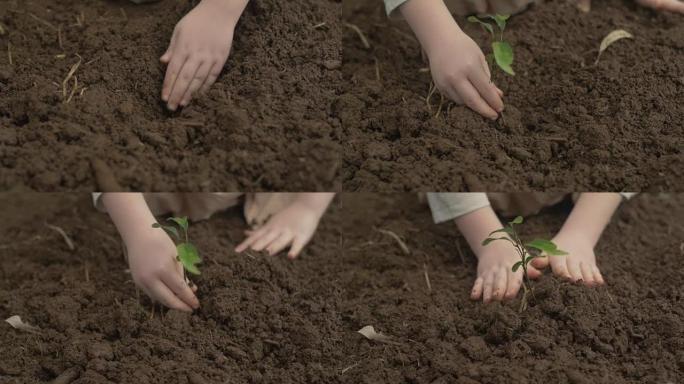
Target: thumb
{"points": [[540, 262], [533, 272]]}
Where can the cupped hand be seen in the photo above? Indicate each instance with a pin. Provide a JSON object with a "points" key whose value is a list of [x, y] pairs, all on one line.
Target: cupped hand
{"points": [[155, 269], [198, 50], [460, 71], [495, 277], [578, 265]]}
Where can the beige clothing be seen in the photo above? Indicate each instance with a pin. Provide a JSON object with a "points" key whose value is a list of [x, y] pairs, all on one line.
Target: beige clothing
{"points": [[449, 206], [258, 207], [470, 7]]}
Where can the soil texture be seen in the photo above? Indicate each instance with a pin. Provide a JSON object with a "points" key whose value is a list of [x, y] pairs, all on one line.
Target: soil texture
{"points": [[268, 320], [265, 125], [568, 124]]}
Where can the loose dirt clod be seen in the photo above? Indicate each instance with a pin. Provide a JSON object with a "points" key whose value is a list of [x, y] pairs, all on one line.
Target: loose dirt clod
{"points": [[16, 322], [612, 37]]}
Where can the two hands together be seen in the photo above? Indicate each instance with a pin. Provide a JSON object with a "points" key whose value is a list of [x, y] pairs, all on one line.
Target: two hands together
{"points": [[153, 265], [496, 281]]}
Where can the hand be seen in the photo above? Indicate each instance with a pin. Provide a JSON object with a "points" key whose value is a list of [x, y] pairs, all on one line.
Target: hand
{"points": [[663, 5], [294, 226], [153, 265], [495, 278], [460, 71], [199, 48], [579, 264]]}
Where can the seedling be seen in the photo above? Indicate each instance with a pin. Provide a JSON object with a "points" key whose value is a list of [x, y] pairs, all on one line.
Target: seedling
{"points": [[187, 254], [527, 252], [502, 52]]}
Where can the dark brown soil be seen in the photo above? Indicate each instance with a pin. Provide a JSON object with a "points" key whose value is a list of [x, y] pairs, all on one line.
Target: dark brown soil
{"points": [[568, 125], [268, 320], [265, 125]]}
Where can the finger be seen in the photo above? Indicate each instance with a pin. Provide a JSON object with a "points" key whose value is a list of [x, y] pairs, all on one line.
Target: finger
{"points": [[533, 272], [265, 240], [253, 236], [172, 70], [476, 292], [559, 267], [513, 286], [574, 270], [182, 83], [598, 277], [197, 81], [297, 245], [169, 51], [280, 243], [161, 293], [472, 99], [485, 66], [214, 73], [664, 5], [487, 90], [540, 262], [500, 283], [182, 290], [488, 288], [587, 274]]}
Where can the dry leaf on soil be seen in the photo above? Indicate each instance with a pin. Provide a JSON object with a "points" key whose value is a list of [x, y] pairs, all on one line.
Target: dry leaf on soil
{"points": [[612, 37], [16, 322], [369, 333]]}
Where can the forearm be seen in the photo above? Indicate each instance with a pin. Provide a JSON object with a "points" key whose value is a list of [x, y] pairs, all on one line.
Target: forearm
{"points": [[233, 9], [315, 201], [477, 225], [591, 215], [130, 214], [430, 20]]}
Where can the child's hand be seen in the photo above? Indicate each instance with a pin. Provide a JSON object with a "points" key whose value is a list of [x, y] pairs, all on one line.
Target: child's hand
{"points": [[294, 226], [579, 264], [460, 72], [495, 278], [153, 265], [664, 5], [199, 48]]}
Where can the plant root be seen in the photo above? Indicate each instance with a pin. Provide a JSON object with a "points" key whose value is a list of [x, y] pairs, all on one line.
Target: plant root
{"points": [[396, 237], [360, 33], [66, 237]]}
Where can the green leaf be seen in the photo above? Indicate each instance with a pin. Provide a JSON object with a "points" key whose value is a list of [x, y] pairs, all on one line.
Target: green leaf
{"points": [[169, 229], [181, 221], [503, 54], [490, 239], [516, 266], [546, 246], [488, 27], [518, 220], [507, 230], [189, 257], [500, 20]]}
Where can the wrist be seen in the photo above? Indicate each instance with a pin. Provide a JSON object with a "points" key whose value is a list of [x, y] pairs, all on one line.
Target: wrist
{"points": [[231, 10]]}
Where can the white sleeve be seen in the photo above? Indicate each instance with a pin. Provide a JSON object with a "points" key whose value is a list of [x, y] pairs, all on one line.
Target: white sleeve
{"points": [[449, 206]]}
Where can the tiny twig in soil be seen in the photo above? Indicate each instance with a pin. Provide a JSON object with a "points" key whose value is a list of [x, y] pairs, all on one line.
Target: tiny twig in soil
{"points": [[123, 14], [427, 277], [396, 237], [349, 367], [441, 103], [377, 68], [87, 271], [320, 25], [45, 22], [71, 73], [360, 33], [9, 53], [66, 238]]}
